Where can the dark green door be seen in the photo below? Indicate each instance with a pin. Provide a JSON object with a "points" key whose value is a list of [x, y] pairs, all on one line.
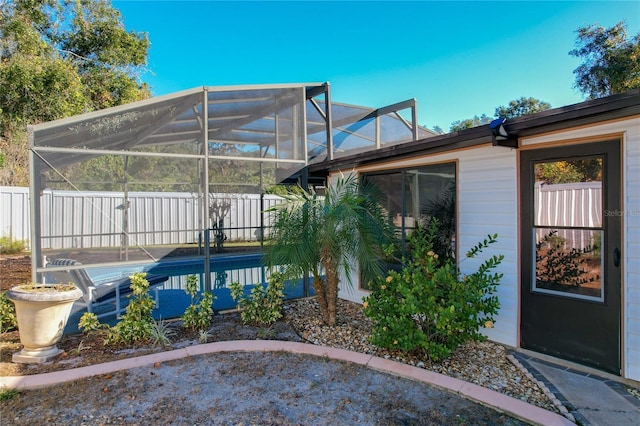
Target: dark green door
{"points": [[571, 253]]}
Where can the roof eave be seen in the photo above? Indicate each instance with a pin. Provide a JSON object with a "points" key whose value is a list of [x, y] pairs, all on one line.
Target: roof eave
{"points": [[584, 113]]}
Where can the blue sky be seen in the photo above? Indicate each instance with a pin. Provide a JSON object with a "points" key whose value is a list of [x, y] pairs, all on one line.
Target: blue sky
{"points": [[458, 59]]}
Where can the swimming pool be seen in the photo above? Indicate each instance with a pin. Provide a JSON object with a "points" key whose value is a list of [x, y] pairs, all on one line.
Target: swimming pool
{"points": [[247, 269]]}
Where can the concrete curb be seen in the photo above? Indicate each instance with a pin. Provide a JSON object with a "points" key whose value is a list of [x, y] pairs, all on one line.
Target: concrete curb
{"points": [[503, 403]]}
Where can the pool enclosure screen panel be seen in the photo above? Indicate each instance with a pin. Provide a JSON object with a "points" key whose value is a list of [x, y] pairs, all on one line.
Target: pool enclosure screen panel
{"points": [[142, 182], [357, 129], [112, 208], [159, 178], [265, 124]]}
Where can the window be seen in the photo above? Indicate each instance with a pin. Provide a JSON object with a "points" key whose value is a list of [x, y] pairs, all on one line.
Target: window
{"points": [[413, 197]]}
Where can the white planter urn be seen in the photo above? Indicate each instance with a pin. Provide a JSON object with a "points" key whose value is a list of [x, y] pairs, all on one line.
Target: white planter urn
{"points": [[42, 311]]}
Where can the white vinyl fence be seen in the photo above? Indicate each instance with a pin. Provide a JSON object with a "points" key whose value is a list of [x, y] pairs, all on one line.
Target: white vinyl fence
{"points": [[576, 204], [97, 219], [14, 212]]}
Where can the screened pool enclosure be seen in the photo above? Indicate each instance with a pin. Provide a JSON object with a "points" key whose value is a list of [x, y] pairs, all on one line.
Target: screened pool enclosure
{"points": [[188, 176]]}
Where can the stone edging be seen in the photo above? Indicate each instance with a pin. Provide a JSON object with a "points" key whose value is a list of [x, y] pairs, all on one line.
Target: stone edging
{"points": [[556, 402]]}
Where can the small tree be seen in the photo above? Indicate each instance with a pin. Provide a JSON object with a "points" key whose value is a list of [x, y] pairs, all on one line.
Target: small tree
{"points": [[323, 236], [469, 123], [219, 208]]}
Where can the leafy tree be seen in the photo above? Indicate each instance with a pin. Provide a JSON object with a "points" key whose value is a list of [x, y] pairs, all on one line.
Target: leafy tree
{"points": [[557, 172], [515, 108], [469, 123], [611, 61], [323, 235], [108, 57], [57, 59], [522, 106], [437, 129]]}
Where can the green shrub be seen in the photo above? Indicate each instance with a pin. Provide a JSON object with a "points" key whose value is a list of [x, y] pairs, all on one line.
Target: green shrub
{"points": [[262, 306], [137, 322], [8, 319], [431, 308], [136, 325], [10, 246], [198, 314], [89, 322]]}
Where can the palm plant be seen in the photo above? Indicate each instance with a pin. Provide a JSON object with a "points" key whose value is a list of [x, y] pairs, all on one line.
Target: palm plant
{"points": [[323, 236]]}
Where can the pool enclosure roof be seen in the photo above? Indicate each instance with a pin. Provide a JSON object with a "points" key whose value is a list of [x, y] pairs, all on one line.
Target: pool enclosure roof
{"points": [[268, 123]]}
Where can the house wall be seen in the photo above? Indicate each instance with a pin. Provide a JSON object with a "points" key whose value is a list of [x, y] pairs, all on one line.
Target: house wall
{"points": [[487, 204], [487, 197], [629, 131]]}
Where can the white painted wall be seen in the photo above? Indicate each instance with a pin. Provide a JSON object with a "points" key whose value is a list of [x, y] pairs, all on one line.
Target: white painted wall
{"points": [[630, 129], [487, 204]]}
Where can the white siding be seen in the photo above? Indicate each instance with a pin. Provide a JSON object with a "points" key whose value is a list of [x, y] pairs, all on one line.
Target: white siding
{"points": [[487, 204], [486, 179], [630, 129], [632, 252]]}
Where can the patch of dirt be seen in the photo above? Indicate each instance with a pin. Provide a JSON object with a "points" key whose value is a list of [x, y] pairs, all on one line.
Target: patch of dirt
{"points": [[247, 389], [14, 270]]}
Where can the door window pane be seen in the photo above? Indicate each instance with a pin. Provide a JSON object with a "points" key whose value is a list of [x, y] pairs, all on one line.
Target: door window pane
{"points": [[569, 261], [568, 193]]}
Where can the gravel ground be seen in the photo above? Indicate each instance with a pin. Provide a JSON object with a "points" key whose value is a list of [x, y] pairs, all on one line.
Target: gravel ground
{"points": [[483, 363]]}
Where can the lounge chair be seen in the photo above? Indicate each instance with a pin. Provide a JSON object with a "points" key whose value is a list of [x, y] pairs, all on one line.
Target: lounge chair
{"points": [[102, 294]]}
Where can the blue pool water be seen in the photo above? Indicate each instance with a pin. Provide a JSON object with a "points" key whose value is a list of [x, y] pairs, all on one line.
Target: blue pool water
{"points": [[246, 269]]}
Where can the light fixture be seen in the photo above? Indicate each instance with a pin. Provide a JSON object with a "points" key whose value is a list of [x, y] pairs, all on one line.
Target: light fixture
{"points": [[499, 134]]}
